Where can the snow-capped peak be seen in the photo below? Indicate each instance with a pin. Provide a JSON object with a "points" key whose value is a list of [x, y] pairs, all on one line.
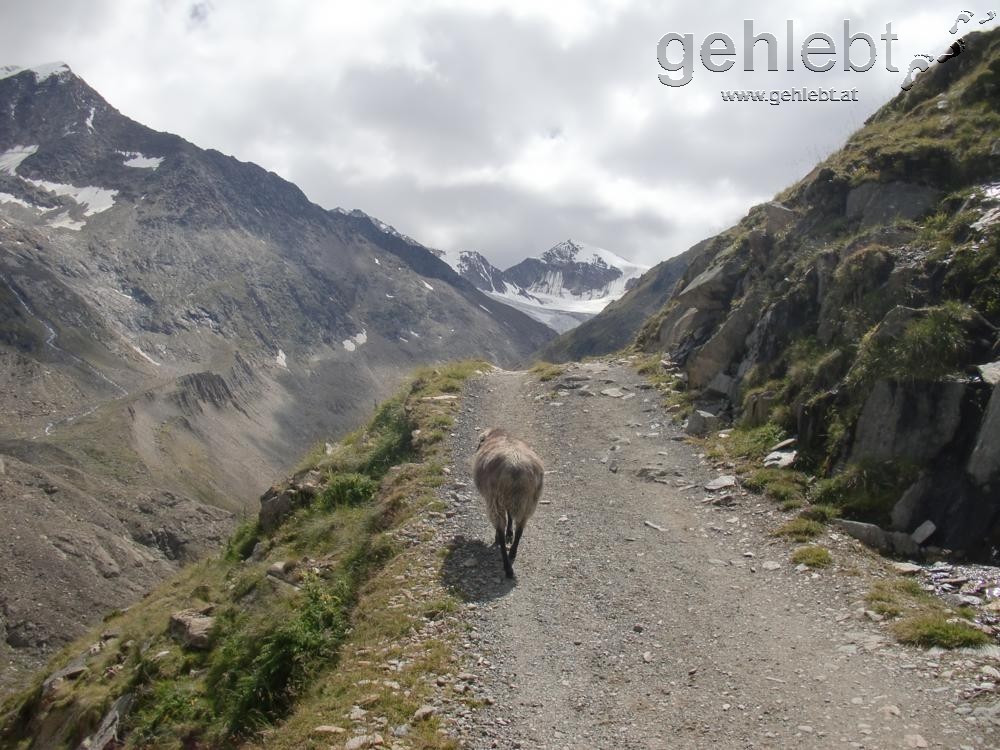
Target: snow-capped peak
{"points": [[565, 285], [571, 251], [42, 72]]}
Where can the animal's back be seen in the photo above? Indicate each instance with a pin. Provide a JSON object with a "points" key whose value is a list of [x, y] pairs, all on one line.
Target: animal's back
{"points": [[509, 475]]}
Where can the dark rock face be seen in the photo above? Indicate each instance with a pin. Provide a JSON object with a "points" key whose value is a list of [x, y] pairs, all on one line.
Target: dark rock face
{"points": [[984, 461], [912, 422], [177, 327], [966, 516], [275, 506], [875, 205]]}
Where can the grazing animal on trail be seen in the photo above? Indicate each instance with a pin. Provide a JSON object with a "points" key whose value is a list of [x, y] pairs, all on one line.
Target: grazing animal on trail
{"points": [[508, 474]]}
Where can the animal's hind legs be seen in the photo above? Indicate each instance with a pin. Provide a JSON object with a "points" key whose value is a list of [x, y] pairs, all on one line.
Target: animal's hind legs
{"points": [[510, 530], [517, 541], [507, 567]]}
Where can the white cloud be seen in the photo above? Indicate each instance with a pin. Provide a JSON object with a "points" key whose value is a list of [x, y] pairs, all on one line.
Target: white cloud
{"points": [[494, 125]]}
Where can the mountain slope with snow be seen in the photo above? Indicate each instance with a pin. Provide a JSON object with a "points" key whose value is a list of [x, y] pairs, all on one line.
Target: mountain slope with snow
{"points": [[568, 284], [176, 328]]}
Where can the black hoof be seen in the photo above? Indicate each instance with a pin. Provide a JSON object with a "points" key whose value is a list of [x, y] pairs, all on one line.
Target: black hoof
{"points": [[509, 572]]}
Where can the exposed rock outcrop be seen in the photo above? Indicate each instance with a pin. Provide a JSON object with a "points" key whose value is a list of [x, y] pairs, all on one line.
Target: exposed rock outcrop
{"points": [[911, 422], [875, 204], [855, 310], [193, 628], [984, 462]]}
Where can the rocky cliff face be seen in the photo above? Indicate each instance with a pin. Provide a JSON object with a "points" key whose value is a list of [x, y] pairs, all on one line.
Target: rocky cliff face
{"points": [[177, 327], [860, 310]]}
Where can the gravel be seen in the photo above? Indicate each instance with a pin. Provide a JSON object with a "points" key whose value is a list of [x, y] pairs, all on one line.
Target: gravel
{"points": [[726, 656]]}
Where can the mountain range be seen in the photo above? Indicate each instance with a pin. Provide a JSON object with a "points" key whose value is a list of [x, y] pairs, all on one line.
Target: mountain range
{"points": [[175, 324], [177, 328], [566, 285]]}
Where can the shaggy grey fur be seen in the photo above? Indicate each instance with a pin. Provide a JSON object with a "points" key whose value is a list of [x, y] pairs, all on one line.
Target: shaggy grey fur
{"points": [[508, 474]]}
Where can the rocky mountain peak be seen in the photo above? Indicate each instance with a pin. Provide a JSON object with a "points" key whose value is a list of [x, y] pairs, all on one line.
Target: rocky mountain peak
{"points": [[56, 70], [567, 284], [564, 253]]}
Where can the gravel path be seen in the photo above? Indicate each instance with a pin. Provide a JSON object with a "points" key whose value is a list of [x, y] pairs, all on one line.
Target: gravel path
{"points": [[643, 616]]}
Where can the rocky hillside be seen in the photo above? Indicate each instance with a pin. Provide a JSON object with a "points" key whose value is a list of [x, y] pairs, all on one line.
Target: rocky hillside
{"points": [[859, 312], [176, 328], [280, 628], [568, 284]]}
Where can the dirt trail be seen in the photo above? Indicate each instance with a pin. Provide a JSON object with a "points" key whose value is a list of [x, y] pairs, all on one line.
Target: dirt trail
{"points": [[642, 617]]}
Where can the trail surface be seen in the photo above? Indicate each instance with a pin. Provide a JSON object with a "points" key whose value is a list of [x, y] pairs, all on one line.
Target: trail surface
{"points": [[643, 616]]}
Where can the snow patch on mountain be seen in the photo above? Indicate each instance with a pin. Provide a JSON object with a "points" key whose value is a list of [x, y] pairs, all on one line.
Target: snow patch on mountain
{"points": [[556, 319], [11, 159], [145, 356], [94, 200], [8, 198], [42, 72], [138, 161], [65, 221], [352, 343]]}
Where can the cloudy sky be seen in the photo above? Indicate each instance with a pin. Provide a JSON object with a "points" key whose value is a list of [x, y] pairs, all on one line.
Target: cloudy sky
{"points": [[503, 127]]}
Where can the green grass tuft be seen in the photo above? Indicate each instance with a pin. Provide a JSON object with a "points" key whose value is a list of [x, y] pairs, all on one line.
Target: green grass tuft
{"points": [[930, 346], [924, 619], [243, 540], [347, 489], [865, 491], [799, 529], [821, 513], [260, 667], [754, 443], [812, 556], [547, 371], [890, 597], [781, 485], [938, 630]]}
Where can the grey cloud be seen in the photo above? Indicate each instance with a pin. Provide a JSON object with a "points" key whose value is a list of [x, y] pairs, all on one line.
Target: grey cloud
{"points": [[198, 12], [428, 147]]}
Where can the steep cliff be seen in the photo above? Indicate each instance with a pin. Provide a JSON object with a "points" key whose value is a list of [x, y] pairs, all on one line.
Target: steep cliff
{"points": [[860, 309]]}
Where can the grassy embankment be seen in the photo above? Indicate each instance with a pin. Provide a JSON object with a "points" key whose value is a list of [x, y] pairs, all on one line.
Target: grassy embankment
{"points": [[351, 619]]}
